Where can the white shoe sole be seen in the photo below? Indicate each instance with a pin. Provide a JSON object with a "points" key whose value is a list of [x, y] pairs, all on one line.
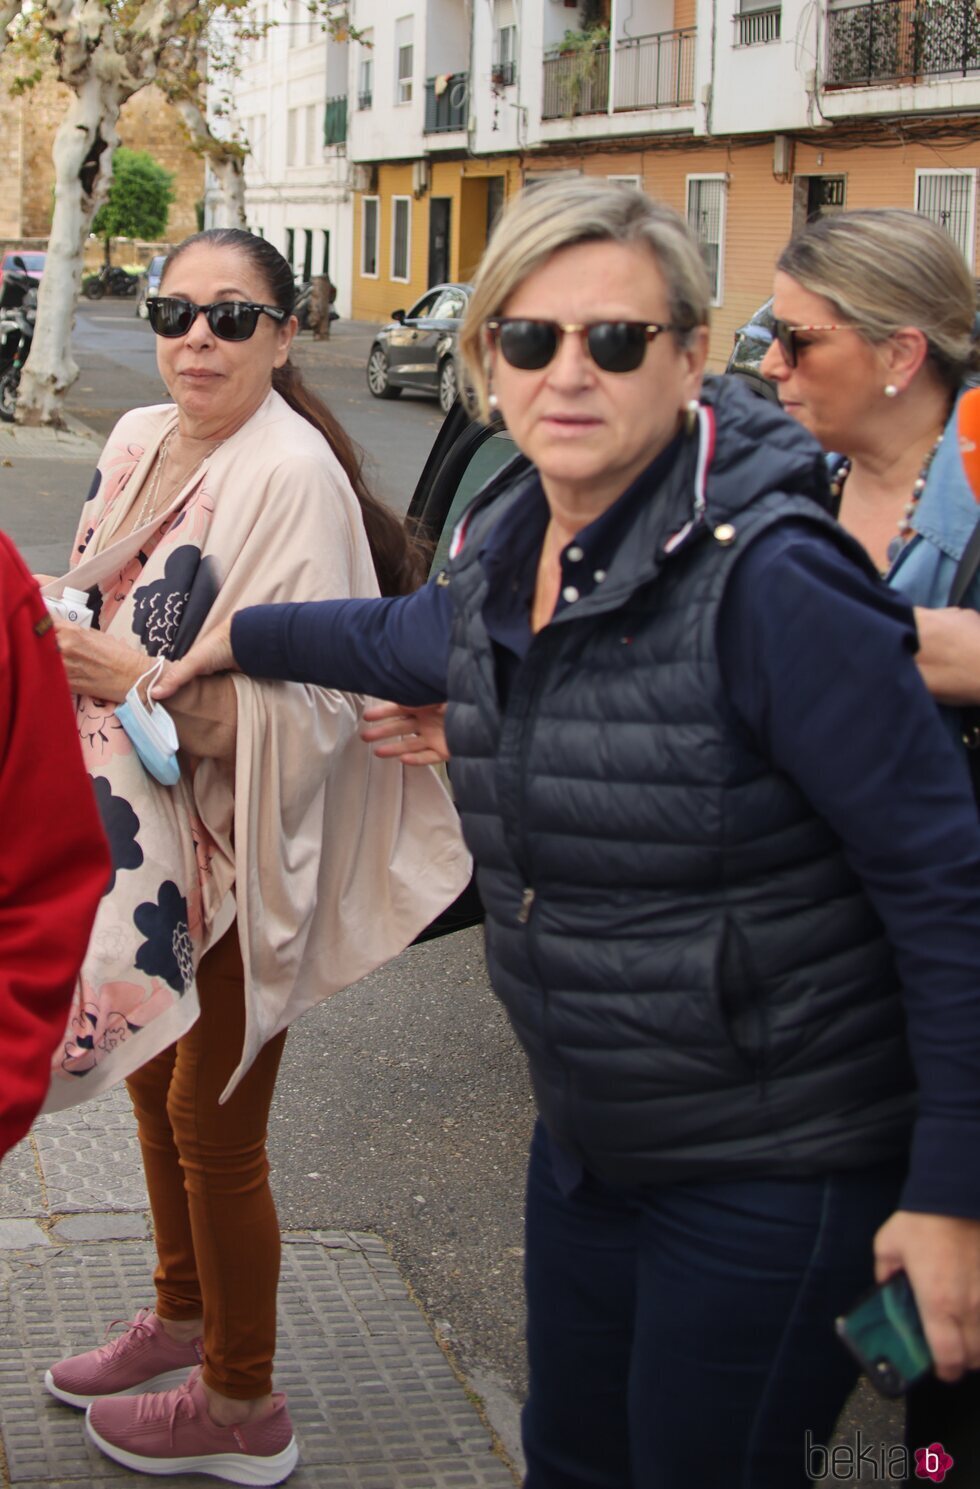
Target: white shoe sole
{"points": [[165, 1382], [234, 1468]]}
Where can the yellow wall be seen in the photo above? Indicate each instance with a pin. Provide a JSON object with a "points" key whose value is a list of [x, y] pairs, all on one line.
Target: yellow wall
{"points": [[464, 182]]}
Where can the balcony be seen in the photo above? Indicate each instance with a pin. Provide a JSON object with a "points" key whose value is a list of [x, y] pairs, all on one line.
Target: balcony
{"points": [[754, 28], [577, 83], [655, 72], [365, 100], [888, 41], [446, 102], [335, 121]]}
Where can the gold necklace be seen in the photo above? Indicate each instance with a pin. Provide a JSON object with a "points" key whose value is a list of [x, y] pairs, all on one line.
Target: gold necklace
{"points": [[148, 509]]}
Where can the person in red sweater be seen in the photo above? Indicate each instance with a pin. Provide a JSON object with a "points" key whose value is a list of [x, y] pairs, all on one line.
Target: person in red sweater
{"points": [[55, 862]]}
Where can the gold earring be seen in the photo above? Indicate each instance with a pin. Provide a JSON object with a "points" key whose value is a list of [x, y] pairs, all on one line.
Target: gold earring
{"points": [[691, 416]]}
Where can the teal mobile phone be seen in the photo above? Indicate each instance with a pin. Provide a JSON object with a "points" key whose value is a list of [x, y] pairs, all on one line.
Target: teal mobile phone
{"points": [[884, 1332]]}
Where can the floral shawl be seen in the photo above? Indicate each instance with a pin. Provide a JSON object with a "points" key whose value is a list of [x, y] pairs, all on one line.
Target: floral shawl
{"points": [[331, 860]]}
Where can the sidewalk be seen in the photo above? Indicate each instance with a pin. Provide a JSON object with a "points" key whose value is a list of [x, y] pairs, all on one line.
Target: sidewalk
{"points": [[374, 1399]]}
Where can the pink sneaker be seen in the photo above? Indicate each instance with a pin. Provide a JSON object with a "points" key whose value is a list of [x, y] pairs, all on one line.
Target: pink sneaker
{"points": [[173, 1433], [145, 1358]]}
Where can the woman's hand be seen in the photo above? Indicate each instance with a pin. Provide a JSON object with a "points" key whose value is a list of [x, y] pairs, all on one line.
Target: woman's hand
{"points": [[941, 1256], [98, 666], [949, 654], [416, 736], [212, 654]]}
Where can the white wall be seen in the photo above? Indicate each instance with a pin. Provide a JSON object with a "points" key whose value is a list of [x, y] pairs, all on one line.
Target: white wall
{"points": [[388, 130], [288, 72]]}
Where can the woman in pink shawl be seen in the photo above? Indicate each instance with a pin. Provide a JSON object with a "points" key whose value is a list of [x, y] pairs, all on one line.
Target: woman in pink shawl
{"points": [[281, 864]]}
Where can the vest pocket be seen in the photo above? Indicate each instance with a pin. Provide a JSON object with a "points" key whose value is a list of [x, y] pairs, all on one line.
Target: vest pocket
{"points": [[741, 1003]]}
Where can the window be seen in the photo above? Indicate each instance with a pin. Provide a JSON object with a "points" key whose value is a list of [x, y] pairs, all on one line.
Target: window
{"points": [[706, 216], [326, 252], [758, 21], [401, 232], [370, 222], [949, 198], [505, 56], [365, 74], [294, 26], [312, 144], [307, 253], [405, 60], [292, 137], [290, 246], [450, 306]]}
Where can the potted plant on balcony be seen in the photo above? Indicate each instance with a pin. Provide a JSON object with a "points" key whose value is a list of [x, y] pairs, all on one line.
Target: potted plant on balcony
{"points": [[585, 49]]}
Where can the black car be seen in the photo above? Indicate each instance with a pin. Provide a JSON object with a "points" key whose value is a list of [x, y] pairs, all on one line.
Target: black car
{"points": [[417, 349], [752, 341]]}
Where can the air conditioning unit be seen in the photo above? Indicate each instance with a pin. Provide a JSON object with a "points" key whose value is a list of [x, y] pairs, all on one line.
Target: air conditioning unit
{"points": [[364, 178]]}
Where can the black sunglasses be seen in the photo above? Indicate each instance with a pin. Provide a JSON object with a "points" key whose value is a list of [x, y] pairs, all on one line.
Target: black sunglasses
{"points": [[230, 320], [786, 335], [615, 346]]}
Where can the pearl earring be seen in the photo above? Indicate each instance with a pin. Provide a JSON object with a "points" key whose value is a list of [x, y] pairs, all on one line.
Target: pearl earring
{"points": [[890, 390], [493, 402]]}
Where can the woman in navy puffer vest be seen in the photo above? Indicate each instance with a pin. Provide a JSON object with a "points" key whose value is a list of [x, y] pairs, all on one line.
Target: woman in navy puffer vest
{"points": [[730, 863]]}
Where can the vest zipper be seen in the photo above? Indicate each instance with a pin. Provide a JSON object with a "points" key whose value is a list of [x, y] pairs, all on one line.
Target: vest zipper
{"points": [[527, 900]]}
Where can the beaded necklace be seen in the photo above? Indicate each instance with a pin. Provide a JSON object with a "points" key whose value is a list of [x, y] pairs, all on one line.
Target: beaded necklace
{"points": [[905, 528]]}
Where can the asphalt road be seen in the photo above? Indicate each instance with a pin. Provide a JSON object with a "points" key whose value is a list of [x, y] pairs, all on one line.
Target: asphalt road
{"points": [[402, 1105]]}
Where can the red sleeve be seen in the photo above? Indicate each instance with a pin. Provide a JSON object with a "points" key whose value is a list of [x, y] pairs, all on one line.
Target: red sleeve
{"points": [[54, 860]]}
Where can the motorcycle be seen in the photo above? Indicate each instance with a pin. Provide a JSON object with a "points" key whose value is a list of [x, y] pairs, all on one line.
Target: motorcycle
{"points": [[110, 280], [18, 312]]}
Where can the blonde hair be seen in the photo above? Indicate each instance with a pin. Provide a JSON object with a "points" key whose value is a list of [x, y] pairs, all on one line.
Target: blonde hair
{"points": [[886, 269], [558, 214]]}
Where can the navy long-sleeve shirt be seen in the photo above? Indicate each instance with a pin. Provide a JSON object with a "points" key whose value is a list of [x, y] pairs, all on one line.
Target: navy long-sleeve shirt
{"points": [[816, 657]]}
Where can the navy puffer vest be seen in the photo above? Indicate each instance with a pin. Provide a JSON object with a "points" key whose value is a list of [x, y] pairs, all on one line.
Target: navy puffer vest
{"points": [[699, 981]]}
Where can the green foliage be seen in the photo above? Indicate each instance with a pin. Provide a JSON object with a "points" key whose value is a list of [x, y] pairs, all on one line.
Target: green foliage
{"points": [[139, 198]]}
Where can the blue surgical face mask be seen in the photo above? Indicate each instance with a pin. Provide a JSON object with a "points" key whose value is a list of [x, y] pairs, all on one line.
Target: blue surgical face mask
{"points": [[151, 730]]}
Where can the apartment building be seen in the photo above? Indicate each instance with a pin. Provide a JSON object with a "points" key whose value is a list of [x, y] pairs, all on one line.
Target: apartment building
{"points": [[747, 120], [291, 102]]}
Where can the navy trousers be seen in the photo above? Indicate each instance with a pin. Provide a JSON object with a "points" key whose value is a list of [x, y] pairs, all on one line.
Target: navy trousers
{"points": [[684, 1335]]}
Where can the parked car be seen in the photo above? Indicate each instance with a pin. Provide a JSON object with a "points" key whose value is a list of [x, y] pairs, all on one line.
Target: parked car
{"points": [[32, 262], [417, 349], [752, 341], [149, 283]]}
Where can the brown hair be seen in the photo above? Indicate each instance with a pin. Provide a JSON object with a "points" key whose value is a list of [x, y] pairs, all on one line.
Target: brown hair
{"points": [[398, 561]]}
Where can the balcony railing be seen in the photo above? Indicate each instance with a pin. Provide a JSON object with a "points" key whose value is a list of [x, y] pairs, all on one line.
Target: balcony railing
{"points": [[899, 40], [365, 100], [576, 84], [335, 121], [446, 107], [656, 72], [503, 74], [755, 27]]}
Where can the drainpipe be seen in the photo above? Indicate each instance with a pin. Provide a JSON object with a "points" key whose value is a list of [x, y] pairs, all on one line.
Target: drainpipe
{"points": [[613, 31], [708, 92]]}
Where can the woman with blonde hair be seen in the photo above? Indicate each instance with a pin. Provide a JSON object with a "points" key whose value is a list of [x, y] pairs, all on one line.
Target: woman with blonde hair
{"points": [[732, 910], [874, 345]]}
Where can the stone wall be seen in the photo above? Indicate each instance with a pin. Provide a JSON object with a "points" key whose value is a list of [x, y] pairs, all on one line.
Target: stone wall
{"points": [[27, 128]]}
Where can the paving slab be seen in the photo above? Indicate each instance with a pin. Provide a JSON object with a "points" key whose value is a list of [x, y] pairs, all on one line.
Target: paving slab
{"points": [[375, 1401]]}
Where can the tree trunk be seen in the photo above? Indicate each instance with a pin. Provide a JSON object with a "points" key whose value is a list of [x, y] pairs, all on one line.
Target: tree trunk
{"points": [[83, 150], [226, 160]]}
